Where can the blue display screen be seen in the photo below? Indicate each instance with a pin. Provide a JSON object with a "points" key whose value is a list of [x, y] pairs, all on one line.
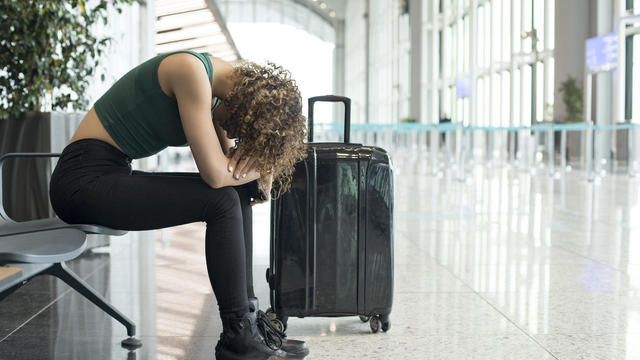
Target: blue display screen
{"points": [[602, 53], [463, 87]]}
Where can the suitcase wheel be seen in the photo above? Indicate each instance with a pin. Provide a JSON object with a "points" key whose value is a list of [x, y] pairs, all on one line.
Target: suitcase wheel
{"points": [[386, 325], [374, 323], [283, 320], [270, 314], [385, 322], [279, 322], [378, 322]]}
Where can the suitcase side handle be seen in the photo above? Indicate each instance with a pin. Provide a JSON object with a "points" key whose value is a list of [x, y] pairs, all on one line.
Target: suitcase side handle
{"points": [[331, 98]]}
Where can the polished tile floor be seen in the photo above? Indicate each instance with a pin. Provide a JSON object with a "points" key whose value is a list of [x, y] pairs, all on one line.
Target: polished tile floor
{"points": [[504, 265]]}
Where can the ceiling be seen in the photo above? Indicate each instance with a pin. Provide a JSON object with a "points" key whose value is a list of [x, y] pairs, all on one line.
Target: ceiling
{"points": [[193, 25]]}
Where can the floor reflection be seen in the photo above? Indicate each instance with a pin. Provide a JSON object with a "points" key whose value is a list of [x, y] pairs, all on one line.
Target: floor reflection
{"points": [[504, 264]]}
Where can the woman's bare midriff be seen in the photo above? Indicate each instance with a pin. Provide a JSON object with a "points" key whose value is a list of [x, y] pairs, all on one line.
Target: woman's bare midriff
{"points": [[91, 128]]}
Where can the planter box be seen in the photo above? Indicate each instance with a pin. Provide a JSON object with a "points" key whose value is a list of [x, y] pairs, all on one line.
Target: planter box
{"points": [[25, 182]]}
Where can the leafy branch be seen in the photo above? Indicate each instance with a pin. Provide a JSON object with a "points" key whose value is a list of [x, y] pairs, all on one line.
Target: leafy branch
{"points": [[47, 49]]}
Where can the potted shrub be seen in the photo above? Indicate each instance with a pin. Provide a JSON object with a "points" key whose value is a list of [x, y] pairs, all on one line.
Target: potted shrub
{"points": [[48, 58], [572, 97]]}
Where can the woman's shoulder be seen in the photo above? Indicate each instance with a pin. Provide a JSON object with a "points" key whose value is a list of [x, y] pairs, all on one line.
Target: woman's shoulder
{"points": [[181, 62], [180, 68]]}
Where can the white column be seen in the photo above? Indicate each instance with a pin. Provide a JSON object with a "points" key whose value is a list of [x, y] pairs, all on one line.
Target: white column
{"points": [[473, 41], [415, 21], [338, 67]]}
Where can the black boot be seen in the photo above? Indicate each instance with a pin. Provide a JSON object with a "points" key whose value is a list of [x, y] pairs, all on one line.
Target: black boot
{"points": [[293, 348], [241, 340]]}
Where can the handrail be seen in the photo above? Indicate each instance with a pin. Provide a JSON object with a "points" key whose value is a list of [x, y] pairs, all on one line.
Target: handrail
{"points": [[3, 214], [405, 127]]}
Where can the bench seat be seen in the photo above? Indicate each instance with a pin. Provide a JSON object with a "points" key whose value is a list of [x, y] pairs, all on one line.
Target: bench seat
{"points": [[53, 223], [37, 247]]}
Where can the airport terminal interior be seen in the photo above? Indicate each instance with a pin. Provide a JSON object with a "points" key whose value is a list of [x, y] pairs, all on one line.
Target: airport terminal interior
{"points": [[513, 133]]}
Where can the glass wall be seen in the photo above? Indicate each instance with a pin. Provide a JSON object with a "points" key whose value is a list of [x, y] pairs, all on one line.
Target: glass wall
{"points": [[635, 82], [505, 47]]}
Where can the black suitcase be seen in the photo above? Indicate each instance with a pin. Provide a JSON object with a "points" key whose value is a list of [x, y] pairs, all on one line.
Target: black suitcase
{"points": [[331, 251]]}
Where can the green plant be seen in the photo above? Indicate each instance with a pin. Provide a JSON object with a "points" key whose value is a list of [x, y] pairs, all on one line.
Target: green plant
{"points": [[548, 111], [572, 96], [47, 49]]}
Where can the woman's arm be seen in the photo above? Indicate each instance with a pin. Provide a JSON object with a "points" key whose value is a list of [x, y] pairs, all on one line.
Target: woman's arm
{"points": [[226, 143], [190, 85]]}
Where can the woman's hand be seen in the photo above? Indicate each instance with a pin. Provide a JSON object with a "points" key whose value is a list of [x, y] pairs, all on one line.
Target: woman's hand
{"points": [[267, 191], [240, 165]]}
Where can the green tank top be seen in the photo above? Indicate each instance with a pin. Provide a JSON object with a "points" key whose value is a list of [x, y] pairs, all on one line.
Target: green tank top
{"points": [[139, 116]]}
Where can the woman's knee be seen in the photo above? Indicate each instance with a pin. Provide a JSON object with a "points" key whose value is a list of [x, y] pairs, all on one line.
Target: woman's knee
{"points": [[222, 203], [243, 193]]}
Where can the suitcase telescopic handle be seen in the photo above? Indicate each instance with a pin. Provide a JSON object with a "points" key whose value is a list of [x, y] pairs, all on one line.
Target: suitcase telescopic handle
{"points": [[331, 98]]}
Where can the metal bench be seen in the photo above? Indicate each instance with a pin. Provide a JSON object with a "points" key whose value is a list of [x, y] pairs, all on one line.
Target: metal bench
{"points": [[42, 246]]}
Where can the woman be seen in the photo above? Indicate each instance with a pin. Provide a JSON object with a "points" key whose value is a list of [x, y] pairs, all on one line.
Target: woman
{"points": [[169, 100]]}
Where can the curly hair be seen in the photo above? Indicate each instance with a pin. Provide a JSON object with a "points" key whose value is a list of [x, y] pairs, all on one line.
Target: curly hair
{"points": [[265, 114]]}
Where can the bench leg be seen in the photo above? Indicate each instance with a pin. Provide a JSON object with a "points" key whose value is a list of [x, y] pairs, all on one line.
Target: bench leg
{"points": [[11, 290], [62, 272]]}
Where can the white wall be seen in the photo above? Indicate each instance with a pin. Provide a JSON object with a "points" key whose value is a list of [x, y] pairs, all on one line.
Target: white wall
{"points": [[133, 34], [388, 61], [354, 52], [572, 24]]}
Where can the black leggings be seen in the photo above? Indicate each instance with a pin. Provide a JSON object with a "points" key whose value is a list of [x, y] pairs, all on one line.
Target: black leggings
{"points": [[93, 183]]}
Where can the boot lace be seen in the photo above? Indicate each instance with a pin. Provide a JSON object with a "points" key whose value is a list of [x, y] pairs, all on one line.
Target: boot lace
{"points": [[272, 336]]}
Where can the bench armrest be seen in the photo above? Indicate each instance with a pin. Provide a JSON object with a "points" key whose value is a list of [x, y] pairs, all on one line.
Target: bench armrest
{"points": [[3, 158]]}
